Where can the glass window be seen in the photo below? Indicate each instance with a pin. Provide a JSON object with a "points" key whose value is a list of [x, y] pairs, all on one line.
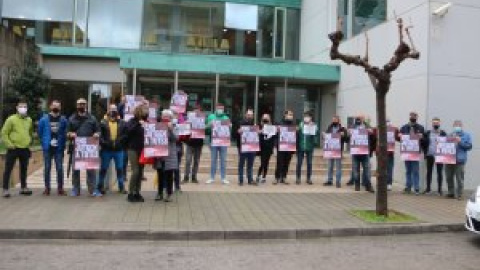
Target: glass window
{"points": [[342, 14], [266, 31], [367, 14], [115, 23], [279, 32]]}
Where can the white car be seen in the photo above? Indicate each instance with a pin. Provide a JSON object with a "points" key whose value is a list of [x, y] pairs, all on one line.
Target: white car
{"points": [[472, 212]]}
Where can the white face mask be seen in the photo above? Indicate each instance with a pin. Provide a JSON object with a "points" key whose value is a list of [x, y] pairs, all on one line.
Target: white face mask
{"points": [[174, 121], [307, 119], [22, 110]]}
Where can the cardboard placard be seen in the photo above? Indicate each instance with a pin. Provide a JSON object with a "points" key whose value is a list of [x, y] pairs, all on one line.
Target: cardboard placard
{"points": [[87, 153]]}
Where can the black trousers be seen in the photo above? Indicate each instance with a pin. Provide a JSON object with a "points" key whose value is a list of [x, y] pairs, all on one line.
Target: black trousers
{"points": [[23, 155], [283, 161], [430, 163], [165, 181], [264, 161]]}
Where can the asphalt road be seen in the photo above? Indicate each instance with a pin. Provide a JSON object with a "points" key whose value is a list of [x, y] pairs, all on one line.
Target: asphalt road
{"points": [[453, 251]]}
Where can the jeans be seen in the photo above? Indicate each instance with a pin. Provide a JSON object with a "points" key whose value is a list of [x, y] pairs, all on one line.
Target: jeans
{"points": [[220, 152], [283, 162], [106, 156], [390, 163], [165, 181], [249, 158], [264, 162], [338, 168], [457, 171], [193, 152], [430, 163], [23, 155], [364, 161], [135, 184], [300, 156], [47, 161], [412, 175], [91, 176]]}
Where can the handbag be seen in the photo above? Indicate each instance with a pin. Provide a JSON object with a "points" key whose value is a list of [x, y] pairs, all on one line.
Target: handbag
{"points": [[144, 160]]}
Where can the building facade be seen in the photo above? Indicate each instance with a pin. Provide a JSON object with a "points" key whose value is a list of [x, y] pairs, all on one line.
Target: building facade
{"points": [[443, 83], [242, 53]]}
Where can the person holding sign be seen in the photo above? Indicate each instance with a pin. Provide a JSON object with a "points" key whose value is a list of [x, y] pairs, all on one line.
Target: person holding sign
{"points": [[52, 131], [413, 166], [247, 156], [166, 166], [135, 144], [336, 128], [113, 136], [457, 171], [307, 137], [216, 129], [284, 157], [429, 146], [194, 144], [360, 140], [82, 124], [267, 142]]}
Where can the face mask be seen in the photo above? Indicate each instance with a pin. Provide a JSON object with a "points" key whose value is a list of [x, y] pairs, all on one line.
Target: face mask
{"points": [[457, 129], [55, 110], [436, 127], [413, 120], [22, 111], [358, 122], [81, 110], [174, 121], [265, 121], [113, 114], [335, 124], [307, 119], [219, 111]]}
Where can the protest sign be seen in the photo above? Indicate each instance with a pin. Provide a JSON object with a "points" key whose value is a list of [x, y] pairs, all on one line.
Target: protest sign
{"points": [[131, 103], [359, 142], [197, 121], [221, 133], [269, 130], [410, 147], [87, 153], [156, 140], [446, 150], [391, 139], [332, 147], [179, 102], [250, 142], [310, 129], [287, 139], [183, 129]]}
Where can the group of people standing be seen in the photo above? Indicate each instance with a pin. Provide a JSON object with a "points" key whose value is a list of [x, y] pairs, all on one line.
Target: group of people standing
{"points": [[123, 142]]}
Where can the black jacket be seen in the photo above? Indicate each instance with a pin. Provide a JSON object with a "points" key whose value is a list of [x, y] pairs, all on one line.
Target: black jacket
{"points": [[106, 142], [135, 135], [238, 137], [266, 144], [425, 143], [83, 126], [343, 137]]}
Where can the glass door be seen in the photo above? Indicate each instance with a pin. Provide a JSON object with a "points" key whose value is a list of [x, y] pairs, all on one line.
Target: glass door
{"points": [[279, 32]]}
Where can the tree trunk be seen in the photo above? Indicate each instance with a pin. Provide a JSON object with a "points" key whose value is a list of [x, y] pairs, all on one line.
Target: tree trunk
{"points": [[382, 154]]}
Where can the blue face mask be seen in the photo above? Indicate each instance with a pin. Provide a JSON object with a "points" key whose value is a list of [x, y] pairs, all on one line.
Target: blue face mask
{"points": [[457, 129]]}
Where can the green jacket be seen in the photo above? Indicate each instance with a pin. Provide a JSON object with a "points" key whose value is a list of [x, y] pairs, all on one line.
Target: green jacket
{"points": [[212, 117], [17, 132], [306, 142]]}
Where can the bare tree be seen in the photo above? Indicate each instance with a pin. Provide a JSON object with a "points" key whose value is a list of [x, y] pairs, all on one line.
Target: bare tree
{"points": [[381, 80]]}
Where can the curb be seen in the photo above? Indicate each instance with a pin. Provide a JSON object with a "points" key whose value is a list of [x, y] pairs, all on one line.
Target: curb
{"points": [[9, 234]]}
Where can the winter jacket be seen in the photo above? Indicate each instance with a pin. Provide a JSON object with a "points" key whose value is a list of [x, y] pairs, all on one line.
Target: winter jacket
{"points": [[45, 134], [171, 161], [83, 126], [463, 146], [306, 142], [17, 132], [106, 142], [135, 135], [426, 140]]}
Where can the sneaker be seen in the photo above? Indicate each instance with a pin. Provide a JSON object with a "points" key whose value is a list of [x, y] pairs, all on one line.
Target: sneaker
{"points": [[328, 184], [97, 193], [25, 192], [74, 193], [168, 198], [427, 192], [276, 181], [338, 185], [225, 182], [407, 191], [6, 193], [131, 198], [263, 181], [61, 192], [370, 189], [389, 187], [46, 192], [194, 180], [350, 183], [309, 182], [159, 197], [186, 180], [139, 198], [209, 181], [417, 192]]}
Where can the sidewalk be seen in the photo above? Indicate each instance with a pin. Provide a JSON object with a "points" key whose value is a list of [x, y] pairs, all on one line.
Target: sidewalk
{"points": [[219, 215]]}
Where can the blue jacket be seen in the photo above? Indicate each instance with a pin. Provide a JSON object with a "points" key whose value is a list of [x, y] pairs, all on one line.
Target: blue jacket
{"points": [[463, 146], [45, 135]]}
